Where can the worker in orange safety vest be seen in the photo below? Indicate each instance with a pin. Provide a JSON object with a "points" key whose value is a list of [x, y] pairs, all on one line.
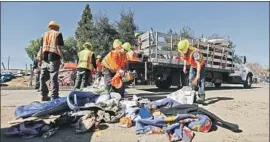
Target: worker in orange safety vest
{"points": [[195, 59], [51, 58], [113, 66], [99, 67], [131, 55]]}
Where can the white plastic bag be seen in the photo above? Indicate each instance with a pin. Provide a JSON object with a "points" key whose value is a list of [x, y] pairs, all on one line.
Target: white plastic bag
{"points": [[183, 96]]}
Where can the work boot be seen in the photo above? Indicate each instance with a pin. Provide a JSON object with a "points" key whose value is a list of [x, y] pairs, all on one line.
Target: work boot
{"points": [[45, 98], [200, 98]]}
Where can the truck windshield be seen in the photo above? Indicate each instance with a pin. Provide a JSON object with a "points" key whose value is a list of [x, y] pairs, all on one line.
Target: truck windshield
{"points": [[237, 60]]}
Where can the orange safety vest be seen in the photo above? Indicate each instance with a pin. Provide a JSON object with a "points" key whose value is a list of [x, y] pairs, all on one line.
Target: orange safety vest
{"points": [[131, 56], [99, 67], [50, 42], [114, 61], [189, 58]]}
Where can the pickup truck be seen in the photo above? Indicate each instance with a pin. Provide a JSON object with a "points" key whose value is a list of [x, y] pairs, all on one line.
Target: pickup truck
{"points": [[160, 64]]}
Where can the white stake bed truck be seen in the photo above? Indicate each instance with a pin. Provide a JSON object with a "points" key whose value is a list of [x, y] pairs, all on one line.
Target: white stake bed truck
{"points": [[160, 66]]}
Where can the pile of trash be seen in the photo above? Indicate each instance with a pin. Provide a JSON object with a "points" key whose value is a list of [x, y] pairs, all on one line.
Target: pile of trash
{"points": [[176, 115]]}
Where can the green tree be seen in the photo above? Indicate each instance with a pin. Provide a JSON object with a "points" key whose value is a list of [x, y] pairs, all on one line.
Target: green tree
{"points": [[215, 36], [33, 48], [175, 39], [186, 33], [70, 49], [126, 27], [105, 33], [85, 30]]}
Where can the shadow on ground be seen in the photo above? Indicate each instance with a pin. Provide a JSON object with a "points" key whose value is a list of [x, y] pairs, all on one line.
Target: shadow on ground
{"points": [[156, 93], [62, 135], [154, 90], [213, 100], [4, 85], [228, 88]]}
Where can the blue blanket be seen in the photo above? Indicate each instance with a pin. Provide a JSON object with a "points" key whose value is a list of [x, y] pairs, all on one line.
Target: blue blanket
{"points": [[37, 107]]}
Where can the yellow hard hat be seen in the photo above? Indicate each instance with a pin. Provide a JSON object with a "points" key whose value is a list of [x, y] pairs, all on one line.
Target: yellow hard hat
{"points": [[53, 23], [127, 46], [87, 45], [137, 35], [98, 57], [183, 46], [117, 44]]}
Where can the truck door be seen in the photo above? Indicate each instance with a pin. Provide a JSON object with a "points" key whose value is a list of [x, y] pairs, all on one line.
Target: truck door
{"points": [[238, 67]]}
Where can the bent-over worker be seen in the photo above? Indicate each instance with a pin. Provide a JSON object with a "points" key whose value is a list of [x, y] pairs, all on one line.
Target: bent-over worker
{"points": [[114, 63], [197, 67], [51, 58], [86, 63]]}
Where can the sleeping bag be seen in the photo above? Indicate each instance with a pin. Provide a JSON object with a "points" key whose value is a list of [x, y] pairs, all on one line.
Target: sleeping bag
{"points": [[38, 109]]}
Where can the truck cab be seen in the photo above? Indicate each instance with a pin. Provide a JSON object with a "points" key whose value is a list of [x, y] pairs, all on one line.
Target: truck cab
{"points": [[242, 74]]}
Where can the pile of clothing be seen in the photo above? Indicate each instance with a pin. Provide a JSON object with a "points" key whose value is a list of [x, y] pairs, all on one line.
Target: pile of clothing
{"points": [[176, 115], [81, 109]]}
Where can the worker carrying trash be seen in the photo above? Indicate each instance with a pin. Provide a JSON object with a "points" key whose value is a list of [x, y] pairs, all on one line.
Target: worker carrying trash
{"points": [[99, 67], [86, 63], [113, 66], [197, 67], [51, 58]]}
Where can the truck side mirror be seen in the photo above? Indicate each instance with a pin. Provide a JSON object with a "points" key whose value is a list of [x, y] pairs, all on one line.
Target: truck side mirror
{"points": [[245, 59]]}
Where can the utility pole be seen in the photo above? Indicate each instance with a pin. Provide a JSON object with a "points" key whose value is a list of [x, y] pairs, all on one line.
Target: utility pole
{"points": [[8, 61], [3, 66], [25, 69], [31, 76]]}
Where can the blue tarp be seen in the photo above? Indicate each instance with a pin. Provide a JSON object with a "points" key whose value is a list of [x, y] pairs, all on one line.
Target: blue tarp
{"points": [[57, 105]]}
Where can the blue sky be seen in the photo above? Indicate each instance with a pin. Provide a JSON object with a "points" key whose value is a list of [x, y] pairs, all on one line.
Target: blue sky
{"points": [[247, 23]]}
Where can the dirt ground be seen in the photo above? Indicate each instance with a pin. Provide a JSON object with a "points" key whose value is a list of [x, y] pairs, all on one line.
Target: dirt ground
{"points": [[249, 108], [19, 82]]}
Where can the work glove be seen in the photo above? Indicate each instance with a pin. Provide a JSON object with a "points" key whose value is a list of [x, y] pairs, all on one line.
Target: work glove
{"points": [[195, 81], [121, 72]]}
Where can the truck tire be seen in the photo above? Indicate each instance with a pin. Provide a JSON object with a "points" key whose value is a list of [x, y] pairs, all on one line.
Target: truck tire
{"points": [[217, 85], [248, 81], [165, 84]]}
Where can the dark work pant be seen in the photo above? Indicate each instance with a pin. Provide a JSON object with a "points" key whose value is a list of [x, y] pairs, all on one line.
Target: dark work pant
{"points": [[107, 78], [82, 78], [49, 70], [37, 82]]}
